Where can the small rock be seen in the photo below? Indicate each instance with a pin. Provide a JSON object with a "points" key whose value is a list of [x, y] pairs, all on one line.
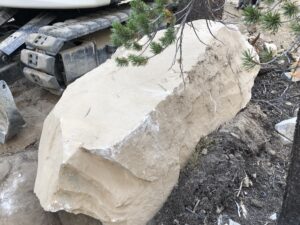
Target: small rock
{"points": [[231, 222], [204, 151], [247, 182], [11, 120], [290, 77], [289, 103], [273, 92], [271, 48], [256, 203], [271, 152], [220, 209], [273, 217], [287, 128], [235, 135]]}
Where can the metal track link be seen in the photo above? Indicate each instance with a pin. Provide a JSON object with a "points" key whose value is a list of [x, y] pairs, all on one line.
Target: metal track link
{"points": [[10, 68], [47, 57], [75, 28], [18, 38]]}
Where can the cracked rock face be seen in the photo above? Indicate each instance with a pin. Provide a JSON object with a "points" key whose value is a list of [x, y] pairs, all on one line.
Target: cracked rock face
{"points": [[11, 121], [113, 146]]}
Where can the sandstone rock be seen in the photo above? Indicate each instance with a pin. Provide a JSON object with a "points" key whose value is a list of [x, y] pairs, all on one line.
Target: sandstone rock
{"points": [[113, 146]]}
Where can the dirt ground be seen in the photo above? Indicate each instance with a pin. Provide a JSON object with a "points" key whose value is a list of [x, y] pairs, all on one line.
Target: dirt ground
{"points": [[241, 165]]}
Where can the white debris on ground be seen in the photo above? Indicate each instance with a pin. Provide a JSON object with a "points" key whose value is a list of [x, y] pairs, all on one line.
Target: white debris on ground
{"points": [[231, 222], [225, 220], [286, 129], [273, 217]]}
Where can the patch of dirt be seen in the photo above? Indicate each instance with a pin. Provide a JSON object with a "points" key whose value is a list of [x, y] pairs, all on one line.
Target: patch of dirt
{"points": [[243, 164], [278, 97]]}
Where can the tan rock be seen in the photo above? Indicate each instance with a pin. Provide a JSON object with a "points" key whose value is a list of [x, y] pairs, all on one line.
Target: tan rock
{"points": [[113, 146]]}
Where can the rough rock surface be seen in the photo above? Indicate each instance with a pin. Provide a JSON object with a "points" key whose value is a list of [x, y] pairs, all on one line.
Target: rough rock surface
{"points": [[113, 146], [11, 121]]}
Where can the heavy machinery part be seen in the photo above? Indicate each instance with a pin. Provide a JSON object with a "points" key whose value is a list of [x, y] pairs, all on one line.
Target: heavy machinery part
{"points": [[11, 121], [6, 15], [18, 38], [10, 68], [61, 52], [54, 4]]}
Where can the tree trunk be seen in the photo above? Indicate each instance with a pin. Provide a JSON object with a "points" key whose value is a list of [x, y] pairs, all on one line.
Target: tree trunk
{"points": [[204, 9], [290, 212]]}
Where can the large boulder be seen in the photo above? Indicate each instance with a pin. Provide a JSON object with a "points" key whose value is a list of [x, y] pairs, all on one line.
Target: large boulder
{"points": [[113, 146]]}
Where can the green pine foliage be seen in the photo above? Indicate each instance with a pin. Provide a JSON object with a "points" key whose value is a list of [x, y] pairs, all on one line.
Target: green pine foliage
{"points": [[251, 15], [248, 59], [290, 9], [271, 21], [295, 26], [270, 18], [145, 20]]}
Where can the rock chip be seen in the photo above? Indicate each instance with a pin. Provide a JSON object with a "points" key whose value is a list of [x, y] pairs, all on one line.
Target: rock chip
{"points": [[113, 146], [273, 217], [11, 121], [287, 128]]}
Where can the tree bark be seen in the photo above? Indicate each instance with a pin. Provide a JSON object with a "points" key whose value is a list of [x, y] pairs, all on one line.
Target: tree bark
{"points": [[290, 212], [204, 9]]}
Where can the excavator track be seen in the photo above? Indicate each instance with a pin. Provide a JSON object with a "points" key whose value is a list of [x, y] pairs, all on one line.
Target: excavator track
{"points": [[58, 54], [9, 55]]}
